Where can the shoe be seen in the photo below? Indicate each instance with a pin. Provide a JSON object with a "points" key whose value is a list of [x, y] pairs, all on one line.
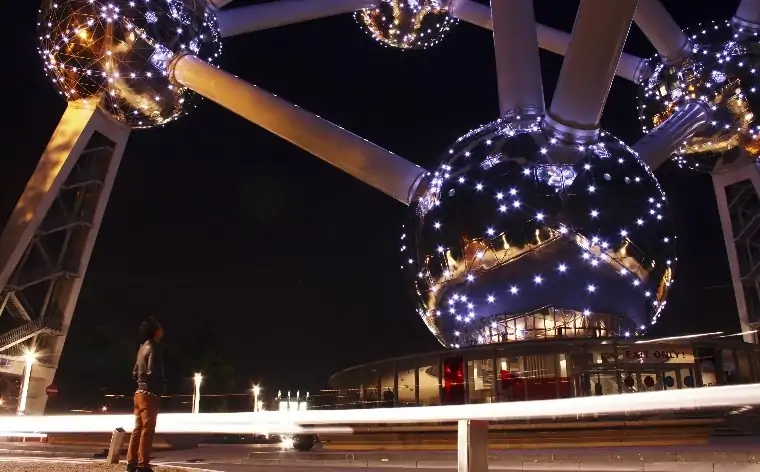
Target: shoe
{"points": [[131, 468], [144, 469]]}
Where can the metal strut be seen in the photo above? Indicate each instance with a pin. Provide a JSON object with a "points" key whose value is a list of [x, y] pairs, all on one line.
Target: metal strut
{"points": [[47, 242], [737, 191]]}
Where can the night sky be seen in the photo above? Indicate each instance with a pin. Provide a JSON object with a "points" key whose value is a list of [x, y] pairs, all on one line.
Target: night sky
{"points": [[222, 230]]}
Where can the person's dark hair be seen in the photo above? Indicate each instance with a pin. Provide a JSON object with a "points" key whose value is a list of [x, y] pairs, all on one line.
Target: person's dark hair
{"points": [[148, 328]]}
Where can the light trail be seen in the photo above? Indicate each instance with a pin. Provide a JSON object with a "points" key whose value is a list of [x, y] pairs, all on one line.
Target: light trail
{"points": [[274, 422]]}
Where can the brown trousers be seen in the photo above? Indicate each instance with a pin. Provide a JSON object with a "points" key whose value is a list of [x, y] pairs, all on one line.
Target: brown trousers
{"points": [[141, 441]]}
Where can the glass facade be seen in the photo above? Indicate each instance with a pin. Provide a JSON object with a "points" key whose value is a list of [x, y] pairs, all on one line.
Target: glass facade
{"points": [[542, 370]]}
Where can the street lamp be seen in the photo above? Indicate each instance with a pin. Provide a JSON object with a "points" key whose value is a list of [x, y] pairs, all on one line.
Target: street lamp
{"points": [[256, 390], [29, 357], [197, 379]]}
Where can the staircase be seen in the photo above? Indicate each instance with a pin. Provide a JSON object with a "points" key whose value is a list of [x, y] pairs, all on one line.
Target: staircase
{"points": [[18, 335]]}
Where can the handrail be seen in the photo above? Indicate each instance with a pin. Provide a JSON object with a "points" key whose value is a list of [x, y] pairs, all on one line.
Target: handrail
{"points": [[276, 421]]}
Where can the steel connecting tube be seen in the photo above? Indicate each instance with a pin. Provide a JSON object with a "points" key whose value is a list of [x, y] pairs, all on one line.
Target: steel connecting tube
{"points": [[747, 16], [373, 165], [235, 21], [516, 45], [553, 40], [589, 67], [659, 144], [662, 31]]}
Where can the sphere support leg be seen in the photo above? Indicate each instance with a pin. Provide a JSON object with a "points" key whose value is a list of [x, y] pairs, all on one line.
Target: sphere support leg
{"points": [[659, 144], [553, 40], [590, 64], [662, 31], [518, 69], [46, 244], [373, 165], [737, 190], [252, 18]]}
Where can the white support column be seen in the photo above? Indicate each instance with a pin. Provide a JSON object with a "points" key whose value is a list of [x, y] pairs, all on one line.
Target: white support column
{"points": [[590, 64], [550, 39], [662, 31], [373, 165], [77, 126], [748, 15], [658, 145], [518, 69], [737, 242], [242, 20], [472, 446]]}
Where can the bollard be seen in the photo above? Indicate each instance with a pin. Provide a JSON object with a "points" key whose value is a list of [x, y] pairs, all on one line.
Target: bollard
{"points": [[114, 450]]}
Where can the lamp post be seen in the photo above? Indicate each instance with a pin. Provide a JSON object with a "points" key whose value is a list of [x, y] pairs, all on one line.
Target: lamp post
{"points": [[29, 357], [256, 390], [197, 379]]}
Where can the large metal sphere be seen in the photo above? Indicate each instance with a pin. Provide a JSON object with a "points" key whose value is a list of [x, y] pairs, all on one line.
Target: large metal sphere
{"points": [[407, 24], [724, 71], [118, 51], [522, 236]]}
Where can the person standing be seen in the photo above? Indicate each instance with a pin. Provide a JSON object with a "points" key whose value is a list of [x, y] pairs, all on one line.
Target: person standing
{"points": [[148, 372]]}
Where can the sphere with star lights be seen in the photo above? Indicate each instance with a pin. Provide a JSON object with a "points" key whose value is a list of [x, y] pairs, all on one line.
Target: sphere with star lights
{"points": [[118, 53], [407, 24], [723, 71], [517, 230]]}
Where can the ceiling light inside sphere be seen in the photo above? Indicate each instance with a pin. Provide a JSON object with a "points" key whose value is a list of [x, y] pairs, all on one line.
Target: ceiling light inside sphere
{"points": [[521, 236], [407, 24], [724, 72], [118, 53]]}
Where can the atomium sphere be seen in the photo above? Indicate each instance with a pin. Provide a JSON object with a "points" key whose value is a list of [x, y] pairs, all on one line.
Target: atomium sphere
{"points": [[520, 236], [407, 24], [723, 70], [118, 52]]}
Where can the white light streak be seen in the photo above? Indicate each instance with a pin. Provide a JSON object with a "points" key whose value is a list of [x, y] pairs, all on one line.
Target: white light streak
{"points": [[287, 422]]}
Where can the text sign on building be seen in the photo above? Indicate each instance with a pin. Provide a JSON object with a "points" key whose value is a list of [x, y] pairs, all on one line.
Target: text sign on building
{"points": [[658, 356]]}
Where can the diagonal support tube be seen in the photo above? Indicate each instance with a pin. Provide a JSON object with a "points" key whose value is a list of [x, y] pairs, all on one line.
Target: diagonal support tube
{"points": [[373, 165], [748, 15], [518, 69], [553, 40], [662, 31], [659, 144], [252, 18], [589, 65]]}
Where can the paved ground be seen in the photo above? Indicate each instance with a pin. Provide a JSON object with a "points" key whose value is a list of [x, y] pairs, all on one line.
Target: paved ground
{"points": [[41, 465], [235, 458], [63, 465]]}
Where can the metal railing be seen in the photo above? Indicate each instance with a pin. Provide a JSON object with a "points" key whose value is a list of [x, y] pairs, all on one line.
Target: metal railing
{"points": [[472, 420]]}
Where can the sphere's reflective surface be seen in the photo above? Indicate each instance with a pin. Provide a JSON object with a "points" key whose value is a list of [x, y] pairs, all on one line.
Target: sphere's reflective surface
{"points": [[118, 51], [515, 222], [407, 24], [724, 71]]}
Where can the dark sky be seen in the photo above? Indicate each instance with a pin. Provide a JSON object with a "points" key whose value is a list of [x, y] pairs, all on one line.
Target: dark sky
{"points": [[213, 222]]}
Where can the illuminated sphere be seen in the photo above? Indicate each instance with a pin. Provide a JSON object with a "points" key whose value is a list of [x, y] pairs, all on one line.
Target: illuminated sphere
{"points": [[407, 24], [118, 52], [724, 71], [515, 222]]}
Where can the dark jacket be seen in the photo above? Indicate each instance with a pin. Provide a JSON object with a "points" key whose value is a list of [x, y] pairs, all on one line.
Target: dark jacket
{"points": [[149, 368]]}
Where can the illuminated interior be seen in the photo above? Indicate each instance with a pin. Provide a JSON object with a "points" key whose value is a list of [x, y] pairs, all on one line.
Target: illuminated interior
{"points": [[723, 71], [407, 24], [118, 53]]}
